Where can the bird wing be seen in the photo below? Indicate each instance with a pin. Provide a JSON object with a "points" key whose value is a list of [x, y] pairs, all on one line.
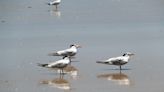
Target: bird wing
{"points": [[54, 2], [53, 64], [116, 60], [62, 52], [66, 52], [108, 61]]}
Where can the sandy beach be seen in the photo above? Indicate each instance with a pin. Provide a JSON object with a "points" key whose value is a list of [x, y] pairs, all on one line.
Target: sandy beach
{"points": [[30, 29]]}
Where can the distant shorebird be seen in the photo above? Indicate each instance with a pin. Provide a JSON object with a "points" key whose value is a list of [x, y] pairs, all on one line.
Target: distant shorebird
{"points": [[119, 61], [58, 64], [67, 52], [55, 2]]}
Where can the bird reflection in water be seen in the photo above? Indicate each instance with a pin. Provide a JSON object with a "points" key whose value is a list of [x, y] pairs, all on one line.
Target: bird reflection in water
{"points": [[59, 83], [71, 70], [55, 12], [119, 78]]}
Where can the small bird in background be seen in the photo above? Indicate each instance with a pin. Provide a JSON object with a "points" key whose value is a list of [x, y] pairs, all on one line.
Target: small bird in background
{"points": [[119, 61], [55, 2], [72, 51], [60, 64]]}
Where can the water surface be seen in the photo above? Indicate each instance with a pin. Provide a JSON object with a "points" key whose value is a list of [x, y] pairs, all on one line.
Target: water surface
{"points": [[30, 29]]}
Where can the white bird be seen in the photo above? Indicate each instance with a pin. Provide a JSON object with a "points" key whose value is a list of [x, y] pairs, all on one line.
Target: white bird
{"points": [[55, 2], [72, 51], [119, 61], [57, 64]]}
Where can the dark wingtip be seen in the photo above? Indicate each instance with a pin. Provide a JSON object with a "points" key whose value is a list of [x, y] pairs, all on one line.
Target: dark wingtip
{"points": [[42, 65], [98, 62], [53, 54], [48, 3], [102, 62], [49, 54]]}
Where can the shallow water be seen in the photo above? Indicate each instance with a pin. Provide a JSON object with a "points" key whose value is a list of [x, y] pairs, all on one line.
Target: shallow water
{"points": [[29, 30]]}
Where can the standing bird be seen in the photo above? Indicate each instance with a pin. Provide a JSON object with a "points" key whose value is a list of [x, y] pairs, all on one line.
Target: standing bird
{"points": [[60, 64], [119, 61], [55, 2], [67, 52]]}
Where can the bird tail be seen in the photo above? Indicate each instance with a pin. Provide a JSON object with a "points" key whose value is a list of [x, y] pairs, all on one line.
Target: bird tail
{"points": [[47, 3], [99, 62], [102, 62], [53, 54], [42, 65]]}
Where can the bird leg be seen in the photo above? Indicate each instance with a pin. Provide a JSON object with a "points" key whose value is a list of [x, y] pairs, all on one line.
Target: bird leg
{"points": [[60, 75], [56, 7], [62, 71], [120, 72], [70, 60], [120, 67]]}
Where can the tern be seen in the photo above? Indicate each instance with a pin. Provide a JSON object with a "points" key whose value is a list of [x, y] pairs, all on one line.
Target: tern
{"points": [[60, 64], [72, 51], [119, 61], [55, 2]]}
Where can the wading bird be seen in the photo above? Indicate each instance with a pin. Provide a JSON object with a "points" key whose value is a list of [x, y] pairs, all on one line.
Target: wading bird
{"points": [[119, 61], [60, 64], [55, 2], [72, 51]]}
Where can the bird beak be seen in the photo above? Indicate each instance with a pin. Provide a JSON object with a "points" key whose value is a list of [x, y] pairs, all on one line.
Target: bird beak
{"points": [[78, 46], [132, 54]]}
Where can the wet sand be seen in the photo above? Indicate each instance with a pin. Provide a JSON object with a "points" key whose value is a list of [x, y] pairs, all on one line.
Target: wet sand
{"points": [[29, 30]]}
